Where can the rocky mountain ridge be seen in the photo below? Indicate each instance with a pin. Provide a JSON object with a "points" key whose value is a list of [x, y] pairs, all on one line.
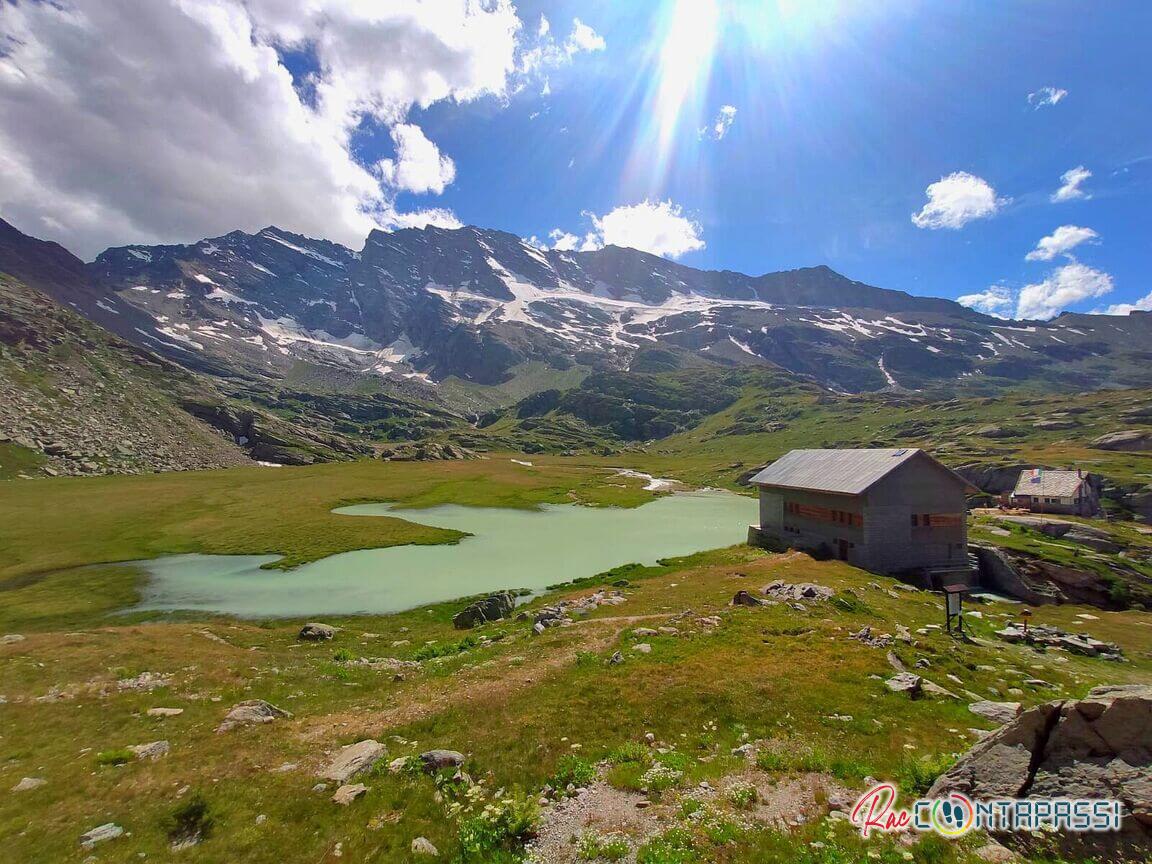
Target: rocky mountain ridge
{"points": [[418, 306]]}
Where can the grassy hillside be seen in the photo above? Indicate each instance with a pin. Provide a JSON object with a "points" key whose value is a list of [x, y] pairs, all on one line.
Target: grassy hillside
{"points": [[555, 711]]}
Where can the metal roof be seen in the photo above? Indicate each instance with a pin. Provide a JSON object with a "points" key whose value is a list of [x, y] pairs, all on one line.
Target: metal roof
{"points": [[1054, 484], [849, 472]]}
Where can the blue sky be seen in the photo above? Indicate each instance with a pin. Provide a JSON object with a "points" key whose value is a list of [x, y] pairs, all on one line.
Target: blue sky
{"points": [[173, 120], [842, 121]]}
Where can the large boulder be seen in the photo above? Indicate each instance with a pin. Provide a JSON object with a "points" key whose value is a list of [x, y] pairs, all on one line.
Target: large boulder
{"points": [[1131, 440], [491, 608], [1096, 747]]}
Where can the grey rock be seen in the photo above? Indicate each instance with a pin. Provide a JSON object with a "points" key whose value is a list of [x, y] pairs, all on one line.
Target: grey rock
{"points": [[1096, 747], [345, 795], [316, 632], [1130, 440], [642, 648], [423, 846], [434, 760], [491, 608], [100, 834], [353, 759], [151, 751], [997, 712], [27, 784], [906, 682], [251, 712]]}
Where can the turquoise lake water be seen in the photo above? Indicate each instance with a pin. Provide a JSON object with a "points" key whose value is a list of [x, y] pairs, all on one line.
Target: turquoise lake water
{"points": [[507, 549]]}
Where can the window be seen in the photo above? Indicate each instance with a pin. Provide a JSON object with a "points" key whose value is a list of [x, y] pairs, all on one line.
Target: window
{"points": [[915, 521]]}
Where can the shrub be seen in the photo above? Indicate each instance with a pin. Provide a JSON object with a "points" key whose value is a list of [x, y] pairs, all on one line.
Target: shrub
{"points": [[632, 751], [660, 777], [572, 769], [743, 795], [343, 655], [770, 760], [916, 775], [502, 825], [446, 649], [674, 846], [115, 757], [596, 848]]}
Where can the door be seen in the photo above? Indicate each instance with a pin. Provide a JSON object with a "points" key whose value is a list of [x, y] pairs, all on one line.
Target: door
{"points": [[842, 550]]}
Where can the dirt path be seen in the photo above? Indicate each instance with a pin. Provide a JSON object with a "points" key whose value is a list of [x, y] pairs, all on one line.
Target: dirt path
{"points": [[468, 685]]}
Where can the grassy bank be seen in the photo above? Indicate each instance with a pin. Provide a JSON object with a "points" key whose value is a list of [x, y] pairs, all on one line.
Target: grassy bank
{"points": [[55, 524]]}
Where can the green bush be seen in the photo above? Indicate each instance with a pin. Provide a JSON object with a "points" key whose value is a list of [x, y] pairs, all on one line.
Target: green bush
{"points": [[572, 769], [744, 796], [502, 826], [446, 649], [674, 846], [593, 847], [343, 655], [632, 751], [115, 757], [916, 775]]}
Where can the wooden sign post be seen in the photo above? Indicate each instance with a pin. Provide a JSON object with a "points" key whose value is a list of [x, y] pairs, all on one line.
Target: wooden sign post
{"points": [[953, 606]]}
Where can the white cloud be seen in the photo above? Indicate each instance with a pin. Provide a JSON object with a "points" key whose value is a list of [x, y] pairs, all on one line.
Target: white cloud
{"points": [[1046, 96], [1144, 304], [435, 216], [996, 300], [723, 121], [1060, 242], [658, 227], [171, 120], [547, 53], [583, 38], [1064, 286], [1071, 180], [419, 166], [956, 200]]}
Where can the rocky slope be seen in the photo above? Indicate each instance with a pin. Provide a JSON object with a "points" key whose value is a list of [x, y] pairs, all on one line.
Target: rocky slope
{"points": [[74, 399], [415, 307], [87, 403]]}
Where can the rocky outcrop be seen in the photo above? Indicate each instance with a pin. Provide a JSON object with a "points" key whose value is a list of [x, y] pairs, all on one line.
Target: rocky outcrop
{"points": [[1096, 747], [1128, 441], [997, 712], [427, 451], [990, 477], [491, 608], [801, 592], [1043, 636], [1001, 572]]}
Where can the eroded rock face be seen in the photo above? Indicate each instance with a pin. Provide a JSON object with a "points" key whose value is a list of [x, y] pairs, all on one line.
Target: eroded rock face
{"points": [[1097, 747]]}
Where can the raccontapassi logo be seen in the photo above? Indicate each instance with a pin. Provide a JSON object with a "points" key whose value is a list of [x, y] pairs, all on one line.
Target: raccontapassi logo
{"points": [[956, 814]]}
